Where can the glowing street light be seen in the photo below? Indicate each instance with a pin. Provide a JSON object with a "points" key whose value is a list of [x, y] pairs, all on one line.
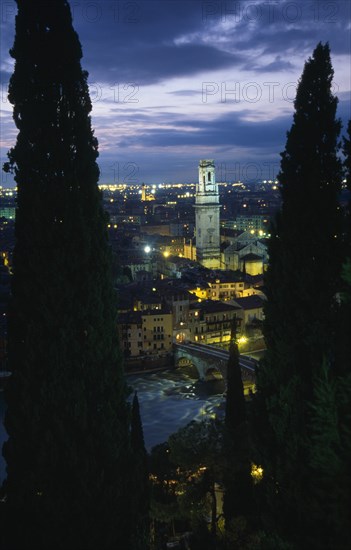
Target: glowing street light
{"points": [[147, 249]]}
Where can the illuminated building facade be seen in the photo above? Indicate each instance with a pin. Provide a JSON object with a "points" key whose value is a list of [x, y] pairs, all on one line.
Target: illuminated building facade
{"points": [[207, 209]]}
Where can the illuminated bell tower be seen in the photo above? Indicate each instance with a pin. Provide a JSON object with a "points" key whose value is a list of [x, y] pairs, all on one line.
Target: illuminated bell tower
{"points": [[143, 192], [207, 216]]}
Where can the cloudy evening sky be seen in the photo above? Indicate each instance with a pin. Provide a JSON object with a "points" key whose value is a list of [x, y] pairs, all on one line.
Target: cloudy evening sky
{"points": [[175, 81]]}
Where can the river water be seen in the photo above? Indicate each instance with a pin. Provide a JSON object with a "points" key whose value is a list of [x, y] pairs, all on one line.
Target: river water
{"points": [[171, 399], [168, 399]]}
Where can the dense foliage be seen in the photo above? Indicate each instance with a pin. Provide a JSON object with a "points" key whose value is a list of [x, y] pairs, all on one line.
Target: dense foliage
{"points": [[238, 497], [67, 419], [300, 411], [139, 486]]}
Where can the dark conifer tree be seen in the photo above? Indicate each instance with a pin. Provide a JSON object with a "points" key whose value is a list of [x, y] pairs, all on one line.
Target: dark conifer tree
{"points": [[330, 453], [343, 345], [347, 173], [238, 499], [301, 283], [347, 153], [140, 490], [67, 419]]}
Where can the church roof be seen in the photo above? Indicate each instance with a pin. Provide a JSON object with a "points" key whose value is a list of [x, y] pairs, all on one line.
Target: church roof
{"points": [[213, 306], [250, 302]]}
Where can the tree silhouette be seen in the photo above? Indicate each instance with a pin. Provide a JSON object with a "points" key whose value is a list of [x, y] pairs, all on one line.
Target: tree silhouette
{"points": [[301, 284], [68, 450], [238, 497], [140, 483]]}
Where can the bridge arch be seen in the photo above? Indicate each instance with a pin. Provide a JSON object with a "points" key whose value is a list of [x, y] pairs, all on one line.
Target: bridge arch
{"points": [[206, 368], [183, 361], [209, 361], [187, 363], [213, 373]]}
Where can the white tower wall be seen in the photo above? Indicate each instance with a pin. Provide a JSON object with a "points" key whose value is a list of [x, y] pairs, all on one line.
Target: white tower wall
{"points": [[207, 209]]}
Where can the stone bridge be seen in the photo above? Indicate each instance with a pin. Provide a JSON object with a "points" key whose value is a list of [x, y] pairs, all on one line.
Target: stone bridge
{"points": [[211, 362]]}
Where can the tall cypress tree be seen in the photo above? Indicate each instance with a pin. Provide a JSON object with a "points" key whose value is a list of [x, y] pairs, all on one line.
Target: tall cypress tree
{"points": [[140, 484], [343, 345], [301, 284], [67, 418], [347, 173], [238, 499], [347, 153]]}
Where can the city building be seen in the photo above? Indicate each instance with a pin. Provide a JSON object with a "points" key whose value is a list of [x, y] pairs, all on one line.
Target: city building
{"points": [[210, 322], [254, 222], [251, 309], [244, 251], [146, 333]]}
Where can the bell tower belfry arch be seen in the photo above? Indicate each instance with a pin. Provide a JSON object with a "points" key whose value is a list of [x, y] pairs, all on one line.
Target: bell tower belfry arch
{"points": [[207, 209]]}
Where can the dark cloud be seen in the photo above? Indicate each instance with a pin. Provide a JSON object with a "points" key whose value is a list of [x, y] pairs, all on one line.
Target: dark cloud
{"points": [[135, 41], [137, 21], [155, 63], [153, 41], [227, 130], [293, 27], [277, 65], [180, 38]]}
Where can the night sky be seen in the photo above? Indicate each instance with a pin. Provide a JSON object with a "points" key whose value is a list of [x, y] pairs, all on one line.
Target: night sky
{"points": [[174, 81]]}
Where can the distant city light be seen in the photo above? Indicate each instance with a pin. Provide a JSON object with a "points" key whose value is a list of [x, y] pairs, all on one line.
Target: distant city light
{"points": [[147, 249]]}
